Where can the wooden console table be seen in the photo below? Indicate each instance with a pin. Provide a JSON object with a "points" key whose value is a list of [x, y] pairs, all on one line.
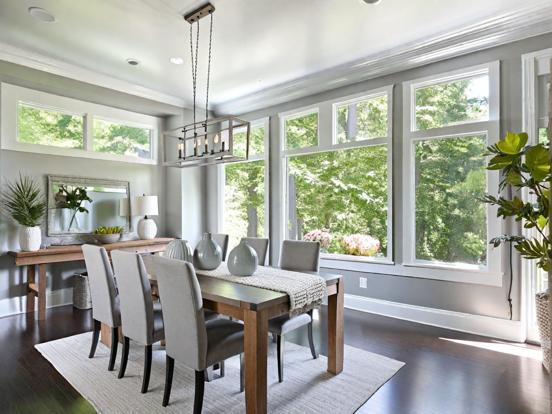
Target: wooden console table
{"points": [[70, 253]]}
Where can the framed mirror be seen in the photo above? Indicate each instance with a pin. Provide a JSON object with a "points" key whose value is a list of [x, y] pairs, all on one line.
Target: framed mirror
{"points": [[78, 205]]}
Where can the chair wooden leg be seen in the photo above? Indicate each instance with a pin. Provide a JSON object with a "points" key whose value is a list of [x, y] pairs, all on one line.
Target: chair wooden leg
{"points": [[221, 372], [199, 389], [114, 345], [242, 372], [95, 337], [311, 339], [147, 368], [124, 357], [280, 353], [168, 380]]}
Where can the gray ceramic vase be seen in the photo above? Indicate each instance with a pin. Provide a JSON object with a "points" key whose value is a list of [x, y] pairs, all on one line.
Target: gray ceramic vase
{"points": [[242, 260], [180, 250], [207, 254]]}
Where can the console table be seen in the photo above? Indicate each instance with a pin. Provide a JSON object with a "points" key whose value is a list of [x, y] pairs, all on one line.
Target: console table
{"points": [[69, 253]]}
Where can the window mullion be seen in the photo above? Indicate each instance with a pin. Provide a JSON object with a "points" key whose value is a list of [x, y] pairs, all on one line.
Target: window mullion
{"points": [[88, 132]]}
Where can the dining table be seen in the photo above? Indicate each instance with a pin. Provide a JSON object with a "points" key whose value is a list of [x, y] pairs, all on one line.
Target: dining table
{"points": [[255, 306]]}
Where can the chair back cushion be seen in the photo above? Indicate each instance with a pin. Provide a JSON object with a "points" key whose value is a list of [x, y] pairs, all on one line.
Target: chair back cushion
{"points": [[300, 256], [222, 241], [105, 302], [135, 296], [260, 246], [185, 332]]}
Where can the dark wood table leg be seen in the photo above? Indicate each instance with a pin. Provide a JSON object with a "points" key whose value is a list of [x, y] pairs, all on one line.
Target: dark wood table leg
{"points": [[335, 330], [255, 347], [41, 292], [31, 288]]}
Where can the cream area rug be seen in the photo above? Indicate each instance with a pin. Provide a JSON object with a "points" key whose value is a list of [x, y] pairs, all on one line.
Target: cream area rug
{"points": [[307, 387]]}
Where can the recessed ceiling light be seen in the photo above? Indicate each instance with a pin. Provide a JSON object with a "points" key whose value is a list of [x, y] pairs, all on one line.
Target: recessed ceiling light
{"points": [[176, 60], [372, 1], [133, 62], [41, 14]]}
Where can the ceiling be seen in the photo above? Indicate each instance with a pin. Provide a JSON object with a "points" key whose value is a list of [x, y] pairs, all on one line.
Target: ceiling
{"points": [[258, 44]]}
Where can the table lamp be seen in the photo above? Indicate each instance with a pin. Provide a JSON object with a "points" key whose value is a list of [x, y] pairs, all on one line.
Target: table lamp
{"points": [[146, 206]]}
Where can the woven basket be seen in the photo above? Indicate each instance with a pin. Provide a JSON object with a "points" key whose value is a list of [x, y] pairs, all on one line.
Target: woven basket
{"points": [[543, 321], [81, 292]]}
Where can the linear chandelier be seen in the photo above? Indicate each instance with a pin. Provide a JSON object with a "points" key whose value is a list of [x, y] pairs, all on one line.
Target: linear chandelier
{"points": [[209, 141]]}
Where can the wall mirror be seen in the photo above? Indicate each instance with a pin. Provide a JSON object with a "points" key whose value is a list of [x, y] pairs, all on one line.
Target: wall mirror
{"points": [[79, 205]]}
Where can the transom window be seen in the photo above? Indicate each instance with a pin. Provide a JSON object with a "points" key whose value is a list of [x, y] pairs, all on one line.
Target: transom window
{"points": [[34, 121], [301, 130]]}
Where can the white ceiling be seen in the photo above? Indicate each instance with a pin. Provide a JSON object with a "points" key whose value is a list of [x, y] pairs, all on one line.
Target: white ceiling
{"points": [[257, 43]]}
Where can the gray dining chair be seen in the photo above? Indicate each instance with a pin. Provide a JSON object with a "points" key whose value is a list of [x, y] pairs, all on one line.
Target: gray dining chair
{"points": [[142, 319], [105, 301], [260, 246], [222, 241], [189, 339], [299, 256]]}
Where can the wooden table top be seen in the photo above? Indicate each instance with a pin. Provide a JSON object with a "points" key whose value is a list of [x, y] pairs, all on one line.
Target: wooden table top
{"points": [[77, 248], [237, 294]]}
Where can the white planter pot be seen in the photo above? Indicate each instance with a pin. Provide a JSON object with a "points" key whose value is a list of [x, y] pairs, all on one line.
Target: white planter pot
{"points": [[30, 238]]}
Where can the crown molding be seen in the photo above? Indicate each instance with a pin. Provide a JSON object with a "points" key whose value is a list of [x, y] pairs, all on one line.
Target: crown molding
{"points": [[54, 66], [495, 31]]}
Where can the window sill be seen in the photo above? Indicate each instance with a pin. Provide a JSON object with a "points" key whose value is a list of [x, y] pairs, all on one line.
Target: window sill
{"points": [[419, 270], [73, 152]]}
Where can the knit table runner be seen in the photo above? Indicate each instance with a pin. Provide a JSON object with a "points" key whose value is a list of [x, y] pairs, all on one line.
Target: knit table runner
{"points": [[305, 290]]}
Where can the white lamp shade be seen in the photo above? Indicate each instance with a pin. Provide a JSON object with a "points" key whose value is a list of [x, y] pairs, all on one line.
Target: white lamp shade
{"points": [[145, 206], [124, 207]]}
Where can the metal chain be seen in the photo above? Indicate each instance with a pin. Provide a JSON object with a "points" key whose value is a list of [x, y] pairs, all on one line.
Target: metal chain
{"points": [[194, 64], [208, 71]]}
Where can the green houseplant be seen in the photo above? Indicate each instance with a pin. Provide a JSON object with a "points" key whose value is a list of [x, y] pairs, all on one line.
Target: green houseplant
{"points": [[24, 202], [526, 168]]}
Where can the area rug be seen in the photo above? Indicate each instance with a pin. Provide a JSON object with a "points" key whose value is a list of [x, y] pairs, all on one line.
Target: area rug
{"points": [[307, 387]]}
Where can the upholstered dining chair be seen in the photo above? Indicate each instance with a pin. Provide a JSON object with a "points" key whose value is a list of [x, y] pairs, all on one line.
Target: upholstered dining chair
{"points": [[105, 301], [222, 241], [189, 339], [142, 319], [260, 246], [299, 256]]}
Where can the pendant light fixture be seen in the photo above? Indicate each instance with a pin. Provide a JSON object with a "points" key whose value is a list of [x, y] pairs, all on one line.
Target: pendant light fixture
{"points": [[209, 141]]}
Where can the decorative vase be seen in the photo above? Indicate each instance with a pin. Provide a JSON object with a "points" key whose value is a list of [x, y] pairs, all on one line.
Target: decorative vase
{"points": [[543, 322], [207, 254], [242, 260], [30, 238], [180, 250], [147, 229]]}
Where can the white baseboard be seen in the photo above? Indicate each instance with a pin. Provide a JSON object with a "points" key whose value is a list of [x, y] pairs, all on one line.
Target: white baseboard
{"points": [[458, 321], [13, 306]]}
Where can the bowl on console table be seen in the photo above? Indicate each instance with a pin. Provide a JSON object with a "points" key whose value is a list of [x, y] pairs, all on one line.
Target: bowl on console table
{"points": [[107, 238]]}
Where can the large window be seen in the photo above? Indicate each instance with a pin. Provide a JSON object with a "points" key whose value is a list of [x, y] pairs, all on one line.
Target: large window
{"points": [[244, 210], [449, 122], [34, 121], [338, 187]]}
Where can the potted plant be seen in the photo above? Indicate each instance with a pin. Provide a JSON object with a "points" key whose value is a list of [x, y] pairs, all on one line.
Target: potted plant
{"points": [[24, 202], [72, 200], [106, 235], [526, 167]]}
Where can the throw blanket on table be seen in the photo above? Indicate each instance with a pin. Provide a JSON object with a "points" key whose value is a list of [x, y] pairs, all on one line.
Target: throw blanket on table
{"points": [[305, 290]]}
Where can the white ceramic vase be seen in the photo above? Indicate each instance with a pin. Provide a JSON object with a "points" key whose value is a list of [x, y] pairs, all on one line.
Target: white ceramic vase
{"points": [[147, 229], [180, 250], [207, 254], [30, 238], [242, 260]]}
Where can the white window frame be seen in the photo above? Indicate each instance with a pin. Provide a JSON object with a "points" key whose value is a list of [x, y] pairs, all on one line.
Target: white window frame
{"points": [[491, 273], [534, 65], [221, 178], [12, 95], [327, 141]]}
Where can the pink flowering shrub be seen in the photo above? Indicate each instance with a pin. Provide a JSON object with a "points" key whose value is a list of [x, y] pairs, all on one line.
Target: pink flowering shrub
{"points": [[322, 236], [360, 245]]}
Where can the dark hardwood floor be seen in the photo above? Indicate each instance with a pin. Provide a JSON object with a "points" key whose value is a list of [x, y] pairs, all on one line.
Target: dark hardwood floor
{"points": [[446, 372]]}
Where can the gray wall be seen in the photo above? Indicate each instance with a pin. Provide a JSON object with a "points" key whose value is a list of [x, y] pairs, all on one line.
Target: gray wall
{"points": [[460, 297], [150, 179]]}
